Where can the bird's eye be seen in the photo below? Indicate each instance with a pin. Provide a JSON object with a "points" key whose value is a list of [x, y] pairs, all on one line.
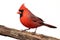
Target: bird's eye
{"points": [[21, 10]]}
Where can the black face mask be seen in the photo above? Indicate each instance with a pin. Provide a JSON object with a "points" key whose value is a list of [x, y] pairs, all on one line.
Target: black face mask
{"points": [[21, 13]]}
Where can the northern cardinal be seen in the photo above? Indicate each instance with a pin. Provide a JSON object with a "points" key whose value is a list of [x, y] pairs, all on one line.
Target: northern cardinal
{"points": [[29, 20]]}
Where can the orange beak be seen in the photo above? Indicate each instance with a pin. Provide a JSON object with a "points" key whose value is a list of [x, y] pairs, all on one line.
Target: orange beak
{"points": [[18, 12]]}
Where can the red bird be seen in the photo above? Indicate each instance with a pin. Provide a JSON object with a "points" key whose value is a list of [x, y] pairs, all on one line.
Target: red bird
{"points": [[29, 20]]}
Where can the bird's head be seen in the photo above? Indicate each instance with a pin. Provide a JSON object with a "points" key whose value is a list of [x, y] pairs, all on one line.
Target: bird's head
{"points": [[21, 9]]}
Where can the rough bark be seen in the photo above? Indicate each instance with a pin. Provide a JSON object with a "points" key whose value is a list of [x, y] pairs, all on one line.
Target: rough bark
{"points": [[19, 35]]}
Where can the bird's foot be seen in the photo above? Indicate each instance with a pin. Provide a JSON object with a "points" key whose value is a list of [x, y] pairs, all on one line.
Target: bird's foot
{"points": [[33, 33], [23, 30]]}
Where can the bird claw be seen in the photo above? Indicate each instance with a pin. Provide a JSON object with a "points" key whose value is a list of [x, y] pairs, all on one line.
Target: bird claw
{"points": [[23, 30], [33, 33]]}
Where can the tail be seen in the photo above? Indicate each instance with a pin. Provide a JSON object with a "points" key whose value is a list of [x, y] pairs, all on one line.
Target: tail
{"points": [[48, 25]]}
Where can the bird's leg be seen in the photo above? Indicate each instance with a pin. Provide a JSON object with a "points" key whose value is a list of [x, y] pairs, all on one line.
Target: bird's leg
{"points": [[25, 29], [35, 31]]}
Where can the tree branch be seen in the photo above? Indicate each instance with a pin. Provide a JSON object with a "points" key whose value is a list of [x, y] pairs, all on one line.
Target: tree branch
{"points": [[17, 34]]}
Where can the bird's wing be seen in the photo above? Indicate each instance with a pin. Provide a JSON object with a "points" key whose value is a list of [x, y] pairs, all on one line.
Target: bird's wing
{"points": [[35, 19]]}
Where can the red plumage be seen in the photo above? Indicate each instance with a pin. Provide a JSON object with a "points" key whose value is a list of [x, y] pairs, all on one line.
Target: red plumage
{"points": [[29, 20]]}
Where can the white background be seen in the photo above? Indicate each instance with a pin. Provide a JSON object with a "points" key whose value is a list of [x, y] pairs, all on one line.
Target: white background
{"points": [[48, 10]]}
